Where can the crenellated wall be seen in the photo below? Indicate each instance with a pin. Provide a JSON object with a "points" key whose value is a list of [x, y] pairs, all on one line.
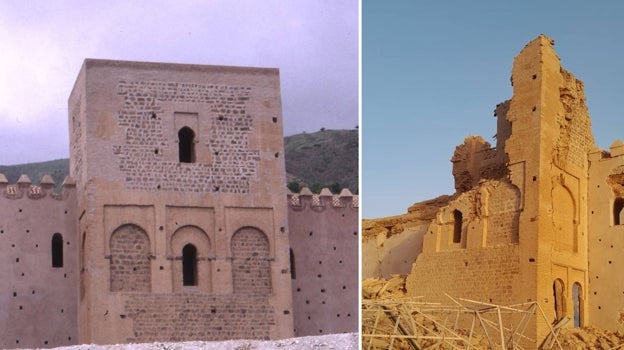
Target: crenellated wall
{"points": [[38, 264], [323, 231]]}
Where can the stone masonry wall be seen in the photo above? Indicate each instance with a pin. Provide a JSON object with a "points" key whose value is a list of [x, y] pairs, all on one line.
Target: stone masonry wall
{"points": [[575, 136], [251, 271], [141, 157], [488, 275], [503, 208], [130, 260], [197, 316], [224, 174]]}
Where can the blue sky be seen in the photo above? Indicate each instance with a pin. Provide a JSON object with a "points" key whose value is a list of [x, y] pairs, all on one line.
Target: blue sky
{"points": [[433, 72], [43, 44]]}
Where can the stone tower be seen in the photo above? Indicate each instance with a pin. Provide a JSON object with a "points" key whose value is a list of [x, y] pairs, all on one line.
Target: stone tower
{"points": [[516, 230], [181, 204], [550, 139]]}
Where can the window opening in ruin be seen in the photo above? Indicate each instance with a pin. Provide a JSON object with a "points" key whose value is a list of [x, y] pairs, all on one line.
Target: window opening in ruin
{"points": [[558, 291], [57, 250], [618, 205], [577, 297], [457, 229], [293, 273], [186, 143], [189, 265]]}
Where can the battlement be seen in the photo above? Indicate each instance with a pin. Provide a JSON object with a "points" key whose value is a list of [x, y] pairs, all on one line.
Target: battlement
{"points": [[306, 199], [46, 187], [615, 151]]}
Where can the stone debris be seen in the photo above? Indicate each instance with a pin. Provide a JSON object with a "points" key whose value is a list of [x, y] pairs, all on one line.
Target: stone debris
{"points": [[346, 341], [591, 339], [380, 288]]}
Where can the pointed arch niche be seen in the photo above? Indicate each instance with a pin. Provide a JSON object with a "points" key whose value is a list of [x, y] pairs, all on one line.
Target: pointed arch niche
{"points": [[564, 219]]}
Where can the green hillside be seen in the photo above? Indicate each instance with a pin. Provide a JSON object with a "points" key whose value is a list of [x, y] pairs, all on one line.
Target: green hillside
{"points": [[319, 159], [324, 158]]}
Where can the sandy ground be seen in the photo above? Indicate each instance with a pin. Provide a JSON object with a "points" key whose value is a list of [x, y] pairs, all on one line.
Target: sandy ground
{"points": [[348, 341]]}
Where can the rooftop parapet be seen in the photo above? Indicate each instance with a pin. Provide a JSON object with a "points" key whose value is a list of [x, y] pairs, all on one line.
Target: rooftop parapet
{"points": [[615, 150], [24, 186], [305, 198]]}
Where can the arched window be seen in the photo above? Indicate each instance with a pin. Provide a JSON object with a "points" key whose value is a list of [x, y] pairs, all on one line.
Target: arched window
{"points": [[186, 143], [189, 265], [457, 228], [558, 291], [577, 298], [57, 250], [293, 273], [618, 205]]}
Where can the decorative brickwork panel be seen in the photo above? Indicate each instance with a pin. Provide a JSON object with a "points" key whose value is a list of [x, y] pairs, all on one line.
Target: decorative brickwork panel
{"points": [[251, 270], [130, 260], [198, 316], [145, 168]]}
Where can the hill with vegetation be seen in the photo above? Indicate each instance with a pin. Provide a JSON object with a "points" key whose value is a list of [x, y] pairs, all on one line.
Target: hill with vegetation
{"points": [[328, 158], [58, 169]]}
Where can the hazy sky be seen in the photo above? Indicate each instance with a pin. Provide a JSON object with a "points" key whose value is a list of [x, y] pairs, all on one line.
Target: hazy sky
{"points": [[43, 44], [433, 72]]}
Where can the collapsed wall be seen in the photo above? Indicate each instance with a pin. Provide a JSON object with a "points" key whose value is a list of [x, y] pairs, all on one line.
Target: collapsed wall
{"points": [[38, 264], [391, 244], [471, 248]]}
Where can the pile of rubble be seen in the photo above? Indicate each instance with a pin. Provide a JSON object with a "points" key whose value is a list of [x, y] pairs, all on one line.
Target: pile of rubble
{"points": [[379, 288], [590, 339]]}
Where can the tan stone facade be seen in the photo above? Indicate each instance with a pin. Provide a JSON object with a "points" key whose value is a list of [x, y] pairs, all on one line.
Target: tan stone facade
{"points": [[535, 218], [177, 225]]}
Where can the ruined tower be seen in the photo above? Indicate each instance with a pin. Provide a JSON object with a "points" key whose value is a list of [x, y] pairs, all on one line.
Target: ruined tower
{"points": [[181, 204], [548, 147], [517, 228]]}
